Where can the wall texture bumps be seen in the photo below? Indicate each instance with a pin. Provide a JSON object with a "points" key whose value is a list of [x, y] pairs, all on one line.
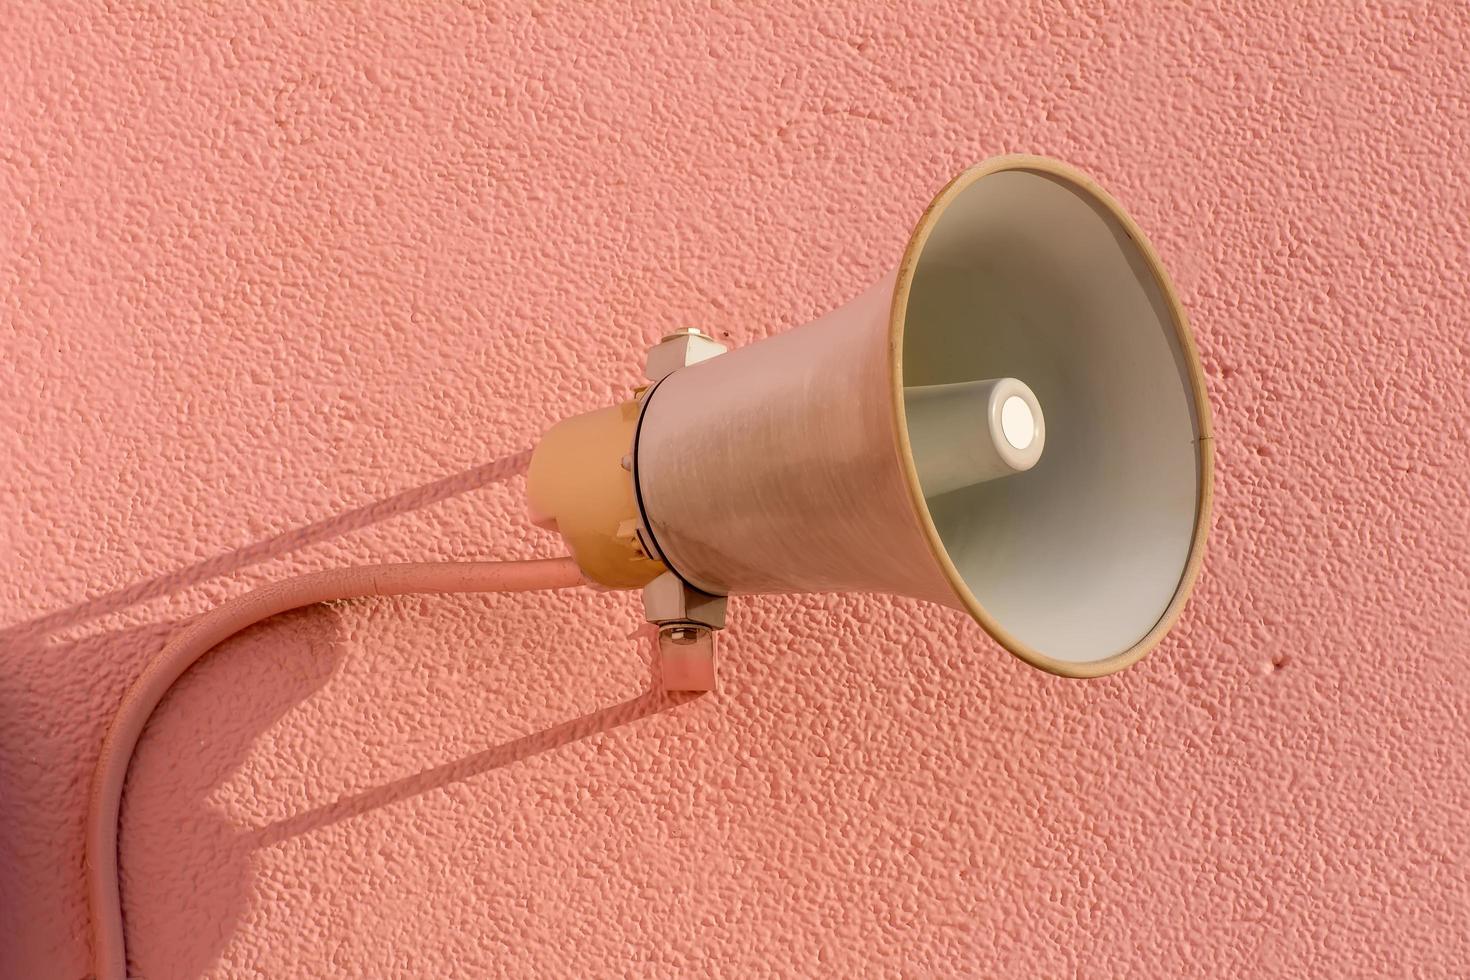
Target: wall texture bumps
{"points": [[279, 285]]}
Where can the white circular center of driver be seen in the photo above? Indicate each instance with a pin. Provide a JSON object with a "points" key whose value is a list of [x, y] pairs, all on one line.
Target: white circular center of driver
{"points": [[1017, 422]]}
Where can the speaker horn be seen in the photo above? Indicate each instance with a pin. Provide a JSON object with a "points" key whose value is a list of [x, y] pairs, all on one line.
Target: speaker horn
{"points": [[1012, 423]]}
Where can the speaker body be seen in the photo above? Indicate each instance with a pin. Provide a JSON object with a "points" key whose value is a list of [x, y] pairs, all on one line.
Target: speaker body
{"points": [[788, 466], [775, 467]]}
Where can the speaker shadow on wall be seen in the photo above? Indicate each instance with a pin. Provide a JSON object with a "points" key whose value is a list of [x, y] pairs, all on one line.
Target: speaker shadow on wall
{"points": [[59, 694]]}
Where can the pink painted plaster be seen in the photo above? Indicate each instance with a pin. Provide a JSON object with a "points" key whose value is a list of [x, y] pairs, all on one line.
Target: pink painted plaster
{"points": [[276, 284]]}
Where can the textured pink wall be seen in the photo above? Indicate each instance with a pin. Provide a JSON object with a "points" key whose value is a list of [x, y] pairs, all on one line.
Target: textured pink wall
{"points": [[262, 270]]}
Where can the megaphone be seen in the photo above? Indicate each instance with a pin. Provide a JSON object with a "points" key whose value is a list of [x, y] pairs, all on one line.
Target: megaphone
{"points": [[1013, 423]]}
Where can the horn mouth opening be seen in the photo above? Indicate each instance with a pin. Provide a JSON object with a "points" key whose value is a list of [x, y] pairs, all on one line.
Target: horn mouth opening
{"points": [[1022, 267]]}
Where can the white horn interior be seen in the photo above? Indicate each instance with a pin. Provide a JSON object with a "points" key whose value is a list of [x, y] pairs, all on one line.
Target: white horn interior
{"points": [[1026, 276]]}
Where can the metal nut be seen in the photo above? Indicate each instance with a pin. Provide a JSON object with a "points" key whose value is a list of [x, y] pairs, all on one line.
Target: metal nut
{"points": [[684, 635], [667, 601]]}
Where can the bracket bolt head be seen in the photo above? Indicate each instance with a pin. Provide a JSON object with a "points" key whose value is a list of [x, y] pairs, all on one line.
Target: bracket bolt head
{"points": [[679, 349]]}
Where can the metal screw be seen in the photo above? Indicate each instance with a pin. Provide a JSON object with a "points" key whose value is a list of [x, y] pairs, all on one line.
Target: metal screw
{"points": [[626, 462], [682, 332], [683, 635]]}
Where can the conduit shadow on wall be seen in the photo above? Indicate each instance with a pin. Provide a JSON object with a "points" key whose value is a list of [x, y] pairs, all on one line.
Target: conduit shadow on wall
{"points": [[68, 679], [53, 714], [282, 544]]}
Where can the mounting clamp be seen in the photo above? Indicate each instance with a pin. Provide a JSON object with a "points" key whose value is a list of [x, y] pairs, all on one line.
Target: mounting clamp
{"points": [[686, 617]]}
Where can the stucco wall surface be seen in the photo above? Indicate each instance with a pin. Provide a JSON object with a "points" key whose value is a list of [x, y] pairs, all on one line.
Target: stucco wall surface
{"points": [[279, 285]]}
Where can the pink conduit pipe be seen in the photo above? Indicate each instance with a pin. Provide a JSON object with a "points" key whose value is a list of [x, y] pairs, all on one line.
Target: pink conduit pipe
{"points": [[109, 950]]}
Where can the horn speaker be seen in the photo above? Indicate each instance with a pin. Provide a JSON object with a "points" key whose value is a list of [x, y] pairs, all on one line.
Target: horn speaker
{"points": [[1012, 423]]}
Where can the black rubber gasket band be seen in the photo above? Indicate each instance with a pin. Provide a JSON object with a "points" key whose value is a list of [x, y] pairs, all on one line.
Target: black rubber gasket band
{"points": [[638, 490]]}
